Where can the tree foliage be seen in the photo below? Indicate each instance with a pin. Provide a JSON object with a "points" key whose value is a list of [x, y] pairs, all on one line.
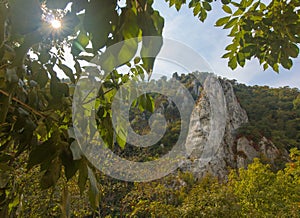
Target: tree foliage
{"points": [[35, 104], [266, 31], [253, 192], [272, 113]]}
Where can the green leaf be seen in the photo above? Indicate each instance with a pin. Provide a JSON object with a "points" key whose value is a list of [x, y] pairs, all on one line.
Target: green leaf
{"points": [[94, 194], [238, 12], [206, 6], [80, 43], [197, 9], [146, 102], [178, 4], [141, 102], [77, 68], [275, 67], [83, 175], [127, 52], [70, 165], [225, 1], [5, 157], [25, 17], [265, 66], [203, 15], [51, 175], [14, 203], [136, 60], [287, 63], [76, 48], [130, 28], [121, 138], [42, 153], [41, 77], [83, 39], [150, 48], [35, 66], [231, 23], [255, 5], [150, 106], [262, 6], [85, 58], [158, 22], [293, 50], [44, 56], [4, 179], [248, 3], [232, 62], [227, 55], [140, 72], [41, 130], [234, 31], [222, 21], [231, 47], [98, 15], [249, 48], [227, 9], [68, 71], [69, 22], [241, 59], [58, 89], [76, 151]]}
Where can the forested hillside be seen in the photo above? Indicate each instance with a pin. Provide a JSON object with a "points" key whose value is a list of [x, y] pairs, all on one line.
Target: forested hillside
{"points": [[273, 113]]}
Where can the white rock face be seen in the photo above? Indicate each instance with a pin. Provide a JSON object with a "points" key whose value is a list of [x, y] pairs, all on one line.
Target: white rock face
{"points": [[246, 151], [211, 139]]}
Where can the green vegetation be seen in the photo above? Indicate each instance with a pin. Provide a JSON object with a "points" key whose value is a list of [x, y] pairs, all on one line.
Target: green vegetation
{"points": [[258, 191], [273, 113], [35, 105], [255, 192], [266, 31]]}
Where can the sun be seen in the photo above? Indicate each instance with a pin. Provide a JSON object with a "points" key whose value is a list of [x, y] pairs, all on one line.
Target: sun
{"points": [[56, 24]]}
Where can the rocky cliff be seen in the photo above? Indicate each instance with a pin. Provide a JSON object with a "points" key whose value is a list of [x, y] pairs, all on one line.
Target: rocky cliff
{"points": [[210, 155]]}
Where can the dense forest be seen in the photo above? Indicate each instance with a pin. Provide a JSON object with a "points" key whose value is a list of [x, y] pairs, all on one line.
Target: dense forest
{"points": [[273, 113], [258, 191]]}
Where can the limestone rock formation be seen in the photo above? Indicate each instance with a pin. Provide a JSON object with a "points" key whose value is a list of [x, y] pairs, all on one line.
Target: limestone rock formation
{"points": [[212, 141], [247, 150]]}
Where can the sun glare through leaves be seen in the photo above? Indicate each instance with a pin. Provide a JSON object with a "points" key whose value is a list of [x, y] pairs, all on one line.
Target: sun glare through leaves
{"points": [[56, 24]]}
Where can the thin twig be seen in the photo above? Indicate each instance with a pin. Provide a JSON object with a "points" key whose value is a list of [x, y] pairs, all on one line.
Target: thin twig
{"points": [[24, 105], [93, 99]]}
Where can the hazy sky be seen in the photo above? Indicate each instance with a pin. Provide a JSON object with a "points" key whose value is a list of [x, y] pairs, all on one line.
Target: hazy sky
{"points": [[210, 42]]}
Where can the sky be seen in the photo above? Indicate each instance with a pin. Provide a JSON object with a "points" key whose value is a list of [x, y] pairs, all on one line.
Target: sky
{"points": [[210, 42]]}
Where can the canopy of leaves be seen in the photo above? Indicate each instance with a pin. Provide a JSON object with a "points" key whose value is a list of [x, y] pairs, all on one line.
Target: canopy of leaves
{"points": [[272, 112], [266, 31], [35, 104]]}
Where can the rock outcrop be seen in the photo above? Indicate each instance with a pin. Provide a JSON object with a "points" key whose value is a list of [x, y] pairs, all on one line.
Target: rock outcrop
{"points": [[212, 141], [247, 150]]}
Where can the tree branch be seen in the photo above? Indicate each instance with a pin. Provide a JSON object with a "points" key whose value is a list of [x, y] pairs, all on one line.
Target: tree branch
{"points": [[23, 104]]}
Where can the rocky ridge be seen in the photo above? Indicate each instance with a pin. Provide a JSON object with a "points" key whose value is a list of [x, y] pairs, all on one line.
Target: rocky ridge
{"points": [[217, 157]]}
